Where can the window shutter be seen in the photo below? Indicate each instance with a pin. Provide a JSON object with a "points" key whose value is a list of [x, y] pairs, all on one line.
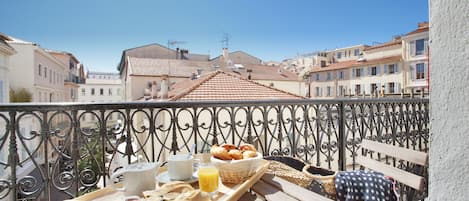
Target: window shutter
{"points": [[385, 69], [369, 70], [352, 89], [353, 72], [385, 88], [337, 75], [361, 72], [412, 72], [378, 70], [397, 85], [425, 70], [425, 46], [396, 67], [412, 48], [367, 89]]}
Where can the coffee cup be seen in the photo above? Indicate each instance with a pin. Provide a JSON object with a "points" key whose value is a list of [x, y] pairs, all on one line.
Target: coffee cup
{"points": [[138, 177], [180, 167]]}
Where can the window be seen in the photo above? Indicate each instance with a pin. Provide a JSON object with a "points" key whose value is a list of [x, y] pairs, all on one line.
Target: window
{"points": [[340, 75], [357, 89], [39, 69], [374, 70], [341, 90], [328, 91], [420, 71], [329, 76], [391, 88], [391, 68], [339, 55], [110, 91], [101, 91], [72, 95], [374, 88], [50, 75], [358, 72], [317, 91], [45, 72], [92, 91], [317, 76], [83, 91], [356, 52], [419, 47]]}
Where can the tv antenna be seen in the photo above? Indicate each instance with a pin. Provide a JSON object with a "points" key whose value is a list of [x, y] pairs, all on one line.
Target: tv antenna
{"points": [[225, 40]]}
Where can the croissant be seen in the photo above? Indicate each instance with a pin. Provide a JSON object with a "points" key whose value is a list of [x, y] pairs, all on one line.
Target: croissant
{"points": [[247, 147], [229, 147], [249, 154], [220, 153], [236, 154]]}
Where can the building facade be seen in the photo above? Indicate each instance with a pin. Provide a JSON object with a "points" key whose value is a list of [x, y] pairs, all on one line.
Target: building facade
{"points": [[100, 87], [415, 53], [5, 52], [392, 68], [72, 76]]}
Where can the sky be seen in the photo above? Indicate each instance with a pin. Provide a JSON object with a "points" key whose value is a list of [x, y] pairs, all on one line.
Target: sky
{"points": [[97, 31]]}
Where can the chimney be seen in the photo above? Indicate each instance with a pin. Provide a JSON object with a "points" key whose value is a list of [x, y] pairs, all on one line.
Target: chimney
{"points": [[225, 54], [147, 91], [164, 87], [193, 76], [154, 89], [199, 71], [177, 53]]}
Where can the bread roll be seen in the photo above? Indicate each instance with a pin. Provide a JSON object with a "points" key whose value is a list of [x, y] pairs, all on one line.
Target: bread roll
{"points": [[236, 154], [249, 154]]}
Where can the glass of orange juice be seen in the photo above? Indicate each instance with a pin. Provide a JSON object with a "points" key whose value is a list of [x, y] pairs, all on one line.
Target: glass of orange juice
{"points": [[208, 178]]}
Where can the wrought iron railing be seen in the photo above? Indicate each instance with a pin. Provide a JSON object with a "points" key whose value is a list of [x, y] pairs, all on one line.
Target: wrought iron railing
{"points": [[59, 151]]}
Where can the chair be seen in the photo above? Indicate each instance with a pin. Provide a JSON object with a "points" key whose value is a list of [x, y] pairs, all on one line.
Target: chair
{"points": [[412, 180]]}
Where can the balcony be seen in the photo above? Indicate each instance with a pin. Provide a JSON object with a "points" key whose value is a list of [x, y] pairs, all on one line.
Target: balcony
{"points": [[59, 151]]}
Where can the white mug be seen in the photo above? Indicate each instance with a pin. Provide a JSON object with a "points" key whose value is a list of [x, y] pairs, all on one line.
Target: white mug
{"points": [[180, 167], [138, 177]]}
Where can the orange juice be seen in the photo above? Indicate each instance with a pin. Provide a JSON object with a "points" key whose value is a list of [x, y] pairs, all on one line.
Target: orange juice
{"points": [[208, 179]]}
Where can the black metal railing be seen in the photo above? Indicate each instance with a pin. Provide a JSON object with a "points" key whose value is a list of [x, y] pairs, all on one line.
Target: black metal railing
{"points": [[59, 151]]}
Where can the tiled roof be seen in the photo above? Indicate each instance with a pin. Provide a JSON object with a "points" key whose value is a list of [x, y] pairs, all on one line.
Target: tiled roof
{"points": [[159, 67], [423, 27], [219, 85], [349, 64], [387, 44], [185, 68]]}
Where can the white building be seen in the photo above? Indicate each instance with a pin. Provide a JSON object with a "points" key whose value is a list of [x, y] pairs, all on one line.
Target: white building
{"points": [[35, 70], [5, 52], [100, 87]]}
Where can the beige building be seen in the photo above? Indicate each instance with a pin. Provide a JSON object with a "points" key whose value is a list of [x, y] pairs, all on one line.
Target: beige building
{"points": [[139, 73], [391, 68], [415, 53], [72, 77]]}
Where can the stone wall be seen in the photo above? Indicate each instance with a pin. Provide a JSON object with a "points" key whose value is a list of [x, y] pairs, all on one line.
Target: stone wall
{"points": [[449, 81]]}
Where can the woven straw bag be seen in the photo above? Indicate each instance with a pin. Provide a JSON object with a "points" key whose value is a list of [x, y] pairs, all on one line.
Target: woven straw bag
{"points": [[326, 178], [288, 173], [237, 171]]}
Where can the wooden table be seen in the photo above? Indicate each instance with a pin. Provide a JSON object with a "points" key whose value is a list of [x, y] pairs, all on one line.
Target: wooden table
{"points": [[260, 186]]}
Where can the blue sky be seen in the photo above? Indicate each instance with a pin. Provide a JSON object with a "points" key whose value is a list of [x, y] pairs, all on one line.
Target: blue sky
{"points": [[96, 31]]}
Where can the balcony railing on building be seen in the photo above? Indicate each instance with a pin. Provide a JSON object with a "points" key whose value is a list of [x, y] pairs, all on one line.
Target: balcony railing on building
{"points": [[59, 151]]}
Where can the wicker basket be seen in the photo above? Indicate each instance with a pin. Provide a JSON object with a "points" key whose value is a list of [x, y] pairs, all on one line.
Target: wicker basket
{"points": [[326, 178], [236, 171]]}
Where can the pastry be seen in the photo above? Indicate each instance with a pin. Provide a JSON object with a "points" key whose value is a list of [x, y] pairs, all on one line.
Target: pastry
{"points": [[236, 154], [249, 154], [229, 147], [220, 153], [247, 147]]}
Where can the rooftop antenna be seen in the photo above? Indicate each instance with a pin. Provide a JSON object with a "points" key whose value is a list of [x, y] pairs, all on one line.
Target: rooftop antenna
{"points": [[172, 43], [225, 40]]}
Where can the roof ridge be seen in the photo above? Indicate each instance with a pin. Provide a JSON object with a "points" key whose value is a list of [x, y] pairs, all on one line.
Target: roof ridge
{"points": [[197, 84], [260, 84]]}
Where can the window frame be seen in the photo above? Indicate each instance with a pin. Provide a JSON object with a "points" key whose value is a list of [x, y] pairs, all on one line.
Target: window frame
{"points": [[420, 75], [417, 51]]}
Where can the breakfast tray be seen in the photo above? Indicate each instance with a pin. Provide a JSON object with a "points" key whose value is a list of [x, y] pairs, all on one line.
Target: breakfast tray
{"points": [[226, 192]]}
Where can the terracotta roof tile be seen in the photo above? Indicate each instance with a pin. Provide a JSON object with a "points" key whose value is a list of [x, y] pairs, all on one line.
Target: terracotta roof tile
{"points": [[349, 64], [226, 86], [387, 44]]}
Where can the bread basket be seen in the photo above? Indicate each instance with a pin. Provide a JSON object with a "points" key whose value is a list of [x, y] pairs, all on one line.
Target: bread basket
{"points": [[237, 171]]}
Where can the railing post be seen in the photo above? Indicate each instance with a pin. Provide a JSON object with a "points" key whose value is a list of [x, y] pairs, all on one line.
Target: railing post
{"points": [[75, 150], [13, 155], [45, 136], [342, 140]]}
